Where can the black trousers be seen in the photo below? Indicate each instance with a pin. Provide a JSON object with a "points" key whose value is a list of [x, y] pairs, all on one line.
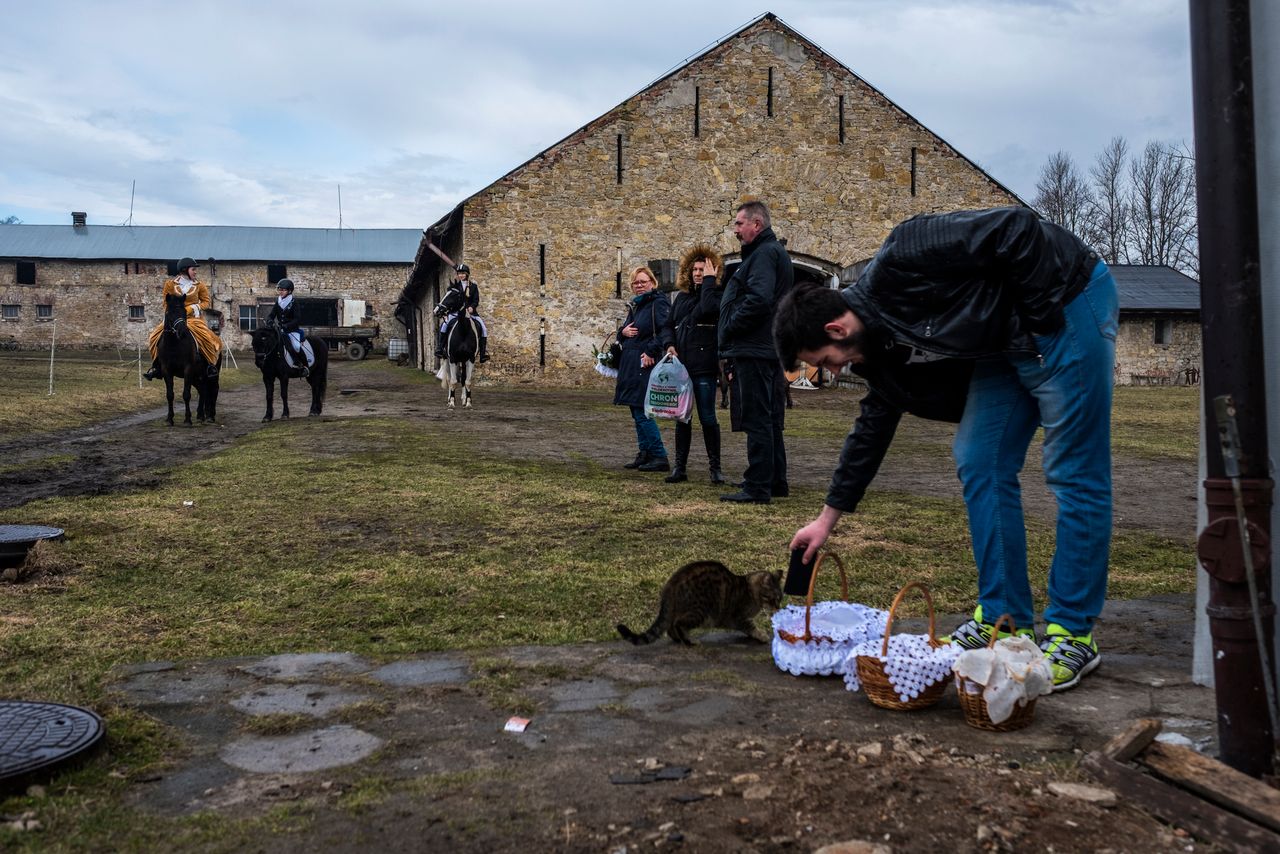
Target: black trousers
{"points": [[761, 386]]}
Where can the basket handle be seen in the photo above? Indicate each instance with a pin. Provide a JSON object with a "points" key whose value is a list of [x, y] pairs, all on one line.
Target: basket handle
{"points": [[995, 629], [813, 578], [893, 609]]}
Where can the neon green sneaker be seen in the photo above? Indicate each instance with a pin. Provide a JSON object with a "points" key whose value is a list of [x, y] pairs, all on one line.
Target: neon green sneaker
{"points": [[1071, 657], [976, 634]]}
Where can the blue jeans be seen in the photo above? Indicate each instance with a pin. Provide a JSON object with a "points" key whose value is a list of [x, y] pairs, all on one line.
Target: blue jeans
{"points": [[647, 435], [704, 397], [1067, 390]]}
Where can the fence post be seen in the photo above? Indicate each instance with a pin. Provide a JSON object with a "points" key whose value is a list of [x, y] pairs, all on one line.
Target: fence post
{"points": [[53, 341]]}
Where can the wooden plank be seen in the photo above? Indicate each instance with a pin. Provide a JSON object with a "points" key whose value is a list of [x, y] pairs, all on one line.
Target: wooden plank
{"points": [[1201, 818], [1220, 783], [1133, 740]]}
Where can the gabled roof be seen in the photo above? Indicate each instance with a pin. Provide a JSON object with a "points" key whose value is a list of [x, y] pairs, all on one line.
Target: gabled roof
{"points": [[1155, 287], [759, 21], [204, 242]]}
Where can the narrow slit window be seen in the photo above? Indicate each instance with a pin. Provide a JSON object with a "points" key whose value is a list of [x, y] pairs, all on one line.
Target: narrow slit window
{"points": [[769, 98], [619, 158], [913, 170], [841, 119], [697, 111]]}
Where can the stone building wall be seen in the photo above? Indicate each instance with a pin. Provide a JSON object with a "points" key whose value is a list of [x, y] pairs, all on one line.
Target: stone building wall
{"points": [[832, 200], [91, 300], [1141, 361]]}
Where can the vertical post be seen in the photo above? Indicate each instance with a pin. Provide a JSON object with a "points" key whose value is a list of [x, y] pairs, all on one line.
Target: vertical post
{"points": [[1226, 194], [53, 342], [617, 288], [139, 364], [542, 342]]}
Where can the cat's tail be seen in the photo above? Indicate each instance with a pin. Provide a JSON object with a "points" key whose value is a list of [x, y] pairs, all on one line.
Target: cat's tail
{"points": [[655, 631]]}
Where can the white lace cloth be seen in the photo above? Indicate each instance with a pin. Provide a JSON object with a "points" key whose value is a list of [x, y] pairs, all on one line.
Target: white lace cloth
{"points": [[844, 623], [912, 664], [1012, 673]]}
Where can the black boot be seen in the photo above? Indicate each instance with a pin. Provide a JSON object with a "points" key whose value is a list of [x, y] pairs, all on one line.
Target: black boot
{"points": [[301, 359], [153, 372], [684, 436], [656, 464], [711, 438], [641, 458], [484, 348]]}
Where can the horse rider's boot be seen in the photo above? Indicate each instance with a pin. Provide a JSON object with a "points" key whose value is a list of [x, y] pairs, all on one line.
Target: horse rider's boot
{"points": [[641, 459], [711, 438], [484, 348], [301, 358], [684, 436], [153, 371]]}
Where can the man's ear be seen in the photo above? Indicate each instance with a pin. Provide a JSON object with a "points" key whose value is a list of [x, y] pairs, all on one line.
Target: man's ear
{"points": [[838, 329]]}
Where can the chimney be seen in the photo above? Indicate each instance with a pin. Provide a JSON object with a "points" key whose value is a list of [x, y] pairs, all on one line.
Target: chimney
{"points": [[78, 219]]}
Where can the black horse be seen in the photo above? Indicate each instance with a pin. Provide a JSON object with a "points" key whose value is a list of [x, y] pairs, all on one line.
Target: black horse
{"points": [[179, 356], [268, 355], [460, 348]]}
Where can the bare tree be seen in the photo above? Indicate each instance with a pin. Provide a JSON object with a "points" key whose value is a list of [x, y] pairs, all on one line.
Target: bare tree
{"points": [[1062, 196], [1110, 213], [10, 220], [1163, 208]]}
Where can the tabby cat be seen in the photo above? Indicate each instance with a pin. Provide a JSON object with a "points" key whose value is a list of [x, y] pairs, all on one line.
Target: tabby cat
{"points": [[706, 592]]}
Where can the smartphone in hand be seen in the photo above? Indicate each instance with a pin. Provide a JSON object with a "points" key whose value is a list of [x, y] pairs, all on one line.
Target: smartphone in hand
{"points": [[799, 574]]}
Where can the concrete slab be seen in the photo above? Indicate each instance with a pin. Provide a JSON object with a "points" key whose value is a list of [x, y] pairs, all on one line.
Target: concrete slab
{"points": [[318, 750], [583, 695], [306, 665], [304, 698], [446, 670], [175, 686]]}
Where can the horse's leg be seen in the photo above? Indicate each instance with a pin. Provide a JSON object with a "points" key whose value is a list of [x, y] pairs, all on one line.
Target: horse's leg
{"points": [[315, 397], [168, 393], [186, 398], [466, 385], [269, 383], [284, 396]]}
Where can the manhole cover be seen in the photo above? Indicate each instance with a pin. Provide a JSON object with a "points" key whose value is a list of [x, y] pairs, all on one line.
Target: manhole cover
{"points": [[17, 540], [37, 736]]}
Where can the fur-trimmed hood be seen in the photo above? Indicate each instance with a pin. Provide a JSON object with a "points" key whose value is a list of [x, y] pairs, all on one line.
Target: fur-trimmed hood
{"points": [[684, 279]]}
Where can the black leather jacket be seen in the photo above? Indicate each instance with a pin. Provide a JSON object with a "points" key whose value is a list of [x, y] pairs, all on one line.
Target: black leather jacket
{"points": [[747, 307], [973, 283]]}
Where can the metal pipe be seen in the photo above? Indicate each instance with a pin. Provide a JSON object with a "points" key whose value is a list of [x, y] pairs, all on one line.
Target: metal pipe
{"points": [[1226, 193]]}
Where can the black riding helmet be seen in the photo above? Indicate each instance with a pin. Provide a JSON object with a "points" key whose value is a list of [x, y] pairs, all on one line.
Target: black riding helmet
{"points": [[285, 284], [185, 264], [462, 268]]}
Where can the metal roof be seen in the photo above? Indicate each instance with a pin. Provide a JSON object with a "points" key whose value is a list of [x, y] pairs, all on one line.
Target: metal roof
{"points": [[203, 242], [1151, 287]]}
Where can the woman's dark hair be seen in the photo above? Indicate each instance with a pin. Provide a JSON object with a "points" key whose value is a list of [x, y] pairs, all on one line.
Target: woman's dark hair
{"points": [[799, 320]]}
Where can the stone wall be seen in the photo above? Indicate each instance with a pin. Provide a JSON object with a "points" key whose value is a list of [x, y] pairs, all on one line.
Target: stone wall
{"points": [[91, 300], [1141, 361], [832, 200]]}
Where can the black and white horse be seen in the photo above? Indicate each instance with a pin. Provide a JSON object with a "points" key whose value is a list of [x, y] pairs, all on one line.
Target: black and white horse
{"points": [[459, 366], [268, 355], [179, 356]]}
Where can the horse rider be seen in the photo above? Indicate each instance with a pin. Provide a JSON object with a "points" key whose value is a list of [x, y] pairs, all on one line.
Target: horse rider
{"points": [[198, 301], [471, 305], [287, 317]]}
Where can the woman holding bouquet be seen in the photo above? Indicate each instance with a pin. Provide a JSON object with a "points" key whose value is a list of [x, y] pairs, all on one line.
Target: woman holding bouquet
{"points": [[644, 336], [691, 338]]}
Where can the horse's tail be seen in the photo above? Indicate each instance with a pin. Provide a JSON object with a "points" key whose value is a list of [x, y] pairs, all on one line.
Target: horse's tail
{"points": [[655, 631]]}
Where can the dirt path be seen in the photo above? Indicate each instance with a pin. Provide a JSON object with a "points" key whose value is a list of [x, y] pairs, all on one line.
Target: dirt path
{"points": [[131, 452]]}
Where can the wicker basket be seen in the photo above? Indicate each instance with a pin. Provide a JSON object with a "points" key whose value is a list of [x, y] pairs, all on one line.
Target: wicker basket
{"points": [[814, 653], [975, 705], [875, 682]]}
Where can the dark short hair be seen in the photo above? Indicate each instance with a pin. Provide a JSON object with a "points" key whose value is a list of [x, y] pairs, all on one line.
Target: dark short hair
{"points": [[800, 317], [757, 210]]}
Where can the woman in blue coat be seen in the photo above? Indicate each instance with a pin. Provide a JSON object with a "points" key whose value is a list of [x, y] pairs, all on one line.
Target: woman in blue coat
{"points": [[644, 338]]}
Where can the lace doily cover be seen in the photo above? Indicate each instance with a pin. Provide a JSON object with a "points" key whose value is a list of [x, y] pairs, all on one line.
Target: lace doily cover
{"points": [[912, 663], [844, 623]]}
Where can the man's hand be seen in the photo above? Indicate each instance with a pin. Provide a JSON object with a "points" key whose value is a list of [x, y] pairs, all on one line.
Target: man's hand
{"points": [[646, 360], [812, 536]]}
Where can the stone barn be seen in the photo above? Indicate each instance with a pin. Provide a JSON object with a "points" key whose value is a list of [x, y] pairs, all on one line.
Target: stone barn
{"points": [[1159, 338], [102, 284], [764, 113]]}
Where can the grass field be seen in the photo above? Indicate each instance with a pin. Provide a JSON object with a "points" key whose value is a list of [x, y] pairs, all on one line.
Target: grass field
{"points": [[455, 550]]}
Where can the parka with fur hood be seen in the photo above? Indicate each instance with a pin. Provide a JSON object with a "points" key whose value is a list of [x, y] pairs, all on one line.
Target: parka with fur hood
{"points": [[696, 313]]}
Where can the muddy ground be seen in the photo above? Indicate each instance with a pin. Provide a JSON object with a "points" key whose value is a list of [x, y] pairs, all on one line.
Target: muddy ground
{"points": [[756, 760]]}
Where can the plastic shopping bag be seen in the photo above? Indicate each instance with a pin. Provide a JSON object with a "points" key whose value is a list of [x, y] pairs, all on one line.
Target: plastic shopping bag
{"points": [[670, 391]]}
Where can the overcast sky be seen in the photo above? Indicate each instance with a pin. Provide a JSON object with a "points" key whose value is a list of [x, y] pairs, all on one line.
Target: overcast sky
{"points": [[254, 112]]}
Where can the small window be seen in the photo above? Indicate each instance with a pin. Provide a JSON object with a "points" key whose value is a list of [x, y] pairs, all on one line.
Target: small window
{"points": [[248, 318], [44, 312], [10, 312], [276, 272], [368, 311], [1164, 330], [136, 312], [26, 272]]}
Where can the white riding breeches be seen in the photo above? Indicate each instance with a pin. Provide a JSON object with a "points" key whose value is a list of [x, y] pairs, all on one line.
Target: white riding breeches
{"points": [[295, 340], [484, 332]]}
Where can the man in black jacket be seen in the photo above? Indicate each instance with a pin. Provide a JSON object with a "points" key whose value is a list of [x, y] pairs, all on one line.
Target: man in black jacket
{"points": [[746, 314], [1031, 311]]}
